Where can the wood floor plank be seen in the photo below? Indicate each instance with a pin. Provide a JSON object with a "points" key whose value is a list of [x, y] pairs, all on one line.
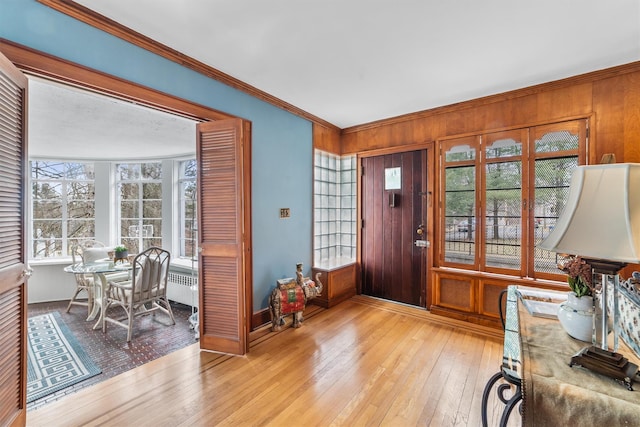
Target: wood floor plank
{"points": [[362, 362]]}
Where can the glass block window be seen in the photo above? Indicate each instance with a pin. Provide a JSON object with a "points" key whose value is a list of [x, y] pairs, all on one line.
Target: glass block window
{"points": [[62, 206], [188, 209], [334, 209], [139, 188]]}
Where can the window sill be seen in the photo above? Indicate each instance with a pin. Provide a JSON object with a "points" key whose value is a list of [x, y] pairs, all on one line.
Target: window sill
{"points": [[50, 261], [184, 264], [334, 263]]}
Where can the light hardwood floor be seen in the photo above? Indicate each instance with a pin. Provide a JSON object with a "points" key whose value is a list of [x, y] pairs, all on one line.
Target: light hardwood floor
{"points": [[363, 362]]}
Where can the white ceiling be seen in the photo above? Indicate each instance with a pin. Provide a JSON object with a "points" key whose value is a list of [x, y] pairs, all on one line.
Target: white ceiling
{"points": [[69, 123], [355, 61]]}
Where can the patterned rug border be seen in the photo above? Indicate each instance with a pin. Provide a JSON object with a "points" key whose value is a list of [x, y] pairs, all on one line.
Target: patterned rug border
{"points": [[86, 368]]}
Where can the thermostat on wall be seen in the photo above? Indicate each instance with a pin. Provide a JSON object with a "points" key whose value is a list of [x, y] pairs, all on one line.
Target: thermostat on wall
{"points": [[285, 212]]}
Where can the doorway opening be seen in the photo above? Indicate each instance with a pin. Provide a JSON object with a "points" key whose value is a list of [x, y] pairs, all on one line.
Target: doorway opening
{"points": [[103, 136]]}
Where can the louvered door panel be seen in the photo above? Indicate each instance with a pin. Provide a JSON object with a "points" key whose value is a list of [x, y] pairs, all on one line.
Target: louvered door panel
{"points": [[223, 208], [13, 89]]}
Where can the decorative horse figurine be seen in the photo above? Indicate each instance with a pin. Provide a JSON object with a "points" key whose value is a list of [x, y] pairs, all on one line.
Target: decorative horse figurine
{"points": [[290, 297]]}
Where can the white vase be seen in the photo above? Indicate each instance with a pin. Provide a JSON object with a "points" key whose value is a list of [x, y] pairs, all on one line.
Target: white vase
{"points": [[576, 316]]}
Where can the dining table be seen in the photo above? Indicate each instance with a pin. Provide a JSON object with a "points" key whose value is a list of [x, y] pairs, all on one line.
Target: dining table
{"points": [[103, 271]]}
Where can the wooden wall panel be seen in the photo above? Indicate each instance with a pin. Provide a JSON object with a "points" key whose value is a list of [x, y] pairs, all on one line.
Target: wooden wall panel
{"points": [[569, 101], [617, 107], [489, 294], [631, 118], [455, 292], [326, 139]]}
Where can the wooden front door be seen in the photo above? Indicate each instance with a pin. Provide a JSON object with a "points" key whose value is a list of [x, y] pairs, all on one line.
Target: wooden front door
{"points": [[13, 272], [394, 252]]}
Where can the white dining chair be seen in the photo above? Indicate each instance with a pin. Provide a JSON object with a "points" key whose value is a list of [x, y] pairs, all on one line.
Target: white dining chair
{"points": [[145, 293], [84, 252]]}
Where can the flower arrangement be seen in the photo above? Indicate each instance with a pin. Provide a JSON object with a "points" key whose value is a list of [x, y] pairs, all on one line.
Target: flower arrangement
{"points": [[579, 275]]}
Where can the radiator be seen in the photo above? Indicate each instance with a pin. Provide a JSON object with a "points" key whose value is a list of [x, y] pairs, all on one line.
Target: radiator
{"points": [[183, 288]]}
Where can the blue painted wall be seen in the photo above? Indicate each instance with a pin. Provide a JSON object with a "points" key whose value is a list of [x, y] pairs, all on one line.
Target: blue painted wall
{"points": [[282, 142]]}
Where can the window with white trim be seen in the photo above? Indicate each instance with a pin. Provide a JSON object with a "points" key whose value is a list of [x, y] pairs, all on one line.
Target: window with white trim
{"points": [[139, 193], [62, 206], [188, 238]]}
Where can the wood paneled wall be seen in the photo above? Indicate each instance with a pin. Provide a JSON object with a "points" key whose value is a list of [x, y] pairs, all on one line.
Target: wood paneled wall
{"points": [[326, 139], [611, 97]]}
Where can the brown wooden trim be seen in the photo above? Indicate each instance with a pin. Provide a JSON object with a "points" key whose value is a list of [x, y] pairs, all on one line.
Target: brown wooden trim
{"points": [[48, 66], [519, 126], [101, 22], [260, 318], [501, 97], [466, 318], [395, 150], [509, 280]]}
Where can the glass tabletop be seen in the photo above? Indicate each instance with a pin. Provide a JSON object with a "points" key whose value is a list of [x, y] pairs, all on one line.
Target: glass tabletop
{"points": [[512, 355], [105, 266]]}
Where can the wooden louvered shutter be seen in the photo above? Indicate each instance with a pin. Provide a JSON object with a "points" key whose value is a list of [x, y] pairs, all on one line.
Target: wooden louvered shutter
{"points": [[224, 220], [13, 98]]}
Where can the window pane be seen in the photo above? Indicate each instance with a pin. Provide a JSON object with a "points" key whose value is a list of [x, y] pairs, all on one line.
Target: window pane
{"points": [[504, 148], [152, 190], [152, 209], [503, 217], [552, 178], [81, 190], [151, 171], [77, 229], [189, 169], [129, 209], [45, 170], [557, 141], [80, 171], [460, 221], [47, 209], [128, 172], [129, 191], [81, 209], [47, 190], [460, 153]]}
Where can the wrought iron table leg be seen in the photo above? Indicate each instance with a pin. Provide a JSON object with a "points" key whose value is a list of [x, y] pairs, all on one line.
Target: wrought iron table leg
{"points": [[509, 403], [485, 396]]}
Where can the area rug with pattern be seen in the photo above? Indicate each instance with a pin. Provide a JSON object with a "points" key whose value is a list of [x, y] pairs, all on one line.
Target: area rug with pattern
{"points": [[55, 359]]}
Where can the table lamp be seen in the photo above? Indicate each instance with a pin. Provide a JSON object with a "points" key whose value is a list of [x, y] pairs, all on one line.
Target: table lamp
{"points": [[601, 224]]}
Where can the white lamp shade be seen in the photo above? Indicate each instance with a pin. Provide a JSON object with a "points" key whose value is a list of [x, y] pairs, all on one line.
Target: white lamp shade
{"points": [[601, 219]]}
